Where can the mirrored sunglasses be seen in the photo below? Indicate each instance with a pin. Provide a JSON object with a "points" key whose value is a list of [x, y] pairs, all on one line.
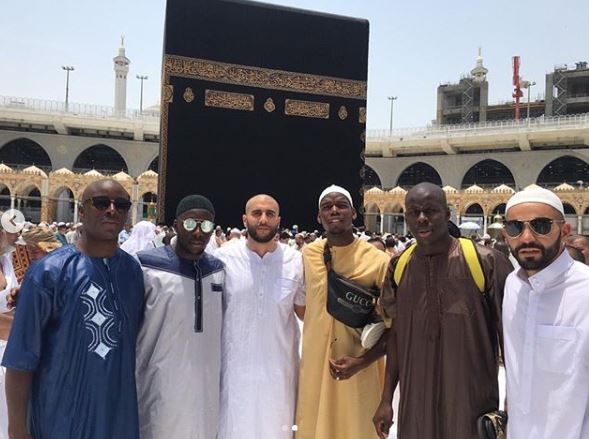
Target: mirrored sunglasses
{"points": [[539, 226], [205, 225]]}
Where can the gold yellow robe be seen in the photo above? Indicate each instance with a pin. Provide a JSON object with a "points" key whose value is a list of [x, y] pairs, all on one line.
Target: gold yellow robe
{"points": [[326, 408]]}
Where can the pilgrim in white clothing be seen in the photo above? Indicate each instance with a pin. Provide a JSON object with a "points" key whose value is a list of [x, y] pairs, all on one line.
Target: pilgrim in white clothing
{"points": [[260, 348]]}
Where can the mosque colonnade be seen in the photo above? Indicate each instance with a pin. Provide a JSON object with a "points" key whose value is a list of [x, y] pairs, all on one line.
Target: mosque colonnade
{"points": [[50, 151], [54, 196], [384, 210]]}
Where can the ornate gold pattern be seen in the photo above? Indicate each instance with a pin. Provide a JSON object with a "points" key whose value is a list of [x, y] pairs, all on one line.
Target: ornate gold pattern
{"points": [[188, 95], [229, 100], [263, 78], [269, 105], [342, 113], [163, 165], [363, 136], [293, 107], [168, 93], [362, 115]]}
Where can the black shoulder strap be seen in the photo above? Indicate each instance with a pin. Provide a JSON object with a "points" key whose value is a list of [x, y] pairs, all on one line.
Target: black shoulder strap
{"points": [[327, 256]]}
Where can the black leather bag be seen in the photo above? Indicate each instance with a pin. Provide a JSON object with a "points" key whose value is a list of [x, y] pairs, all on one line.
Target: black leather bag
{"points": [[348, 302], [493, 425]]}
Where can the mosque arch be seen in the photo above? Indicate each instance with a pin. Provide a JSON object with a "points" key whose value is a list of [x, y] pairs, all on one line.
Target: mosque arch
{"points": [[23, 152], [4, 197], [394, 219], [372, 217], [147, 205], [155, 165], [393, 208], [499, 209], [569, 209], [28, 202], [567, 169], [103, 158], [488, 173], [474, 209], [473, 213], [570, 215], [64, 204], [370, 177], [418, 173]]}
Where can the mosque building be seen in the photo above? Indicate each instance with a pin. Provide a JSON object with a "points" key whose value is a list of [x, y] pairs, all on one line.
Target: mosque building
{"points": [[479, 154]]}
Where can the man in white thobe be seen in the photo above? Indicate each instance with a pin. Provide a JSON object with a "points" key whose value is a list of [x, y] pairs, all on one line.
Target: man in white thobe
{"points": [[545, 323], [263, 291], [179, 343]]}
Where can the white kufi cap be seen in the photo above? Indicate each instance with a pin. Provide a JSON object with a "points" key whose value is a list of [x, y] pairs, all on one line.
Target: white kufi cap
{"points": [[536, 195], [338, 190]]}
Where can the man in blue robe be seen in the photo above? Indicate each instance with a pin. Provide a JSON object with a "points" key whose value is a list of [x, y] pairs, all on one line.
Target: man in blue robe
{"points": [[70, 357]]}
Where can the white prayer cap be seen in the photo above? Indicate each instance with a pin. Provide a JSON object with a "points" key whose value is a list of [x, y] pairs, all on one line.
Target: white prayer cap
{"points": [[236, 231], [536, 195], [338, 190]]}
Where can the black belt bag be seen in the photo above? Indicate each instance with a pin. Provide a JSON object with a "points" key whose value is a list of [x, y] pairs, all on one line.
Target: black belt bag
{"points": [[492, 425], [348, 302]]}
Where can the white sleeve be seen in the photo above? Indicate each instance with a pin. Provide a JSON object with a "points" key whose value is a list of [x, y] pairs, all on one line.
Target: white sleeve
{"points": [[300, 297], [4, 300]]}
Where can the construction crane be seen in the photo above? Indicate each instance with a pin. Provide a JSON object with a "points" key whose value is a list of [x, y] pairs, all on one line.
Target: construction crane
{"points": [[517, 91]]}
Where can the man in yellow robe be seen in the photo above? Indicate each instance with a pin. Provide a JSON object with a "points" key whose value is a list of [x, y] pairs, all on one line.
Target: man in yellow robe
{"points": [[340, 381]]}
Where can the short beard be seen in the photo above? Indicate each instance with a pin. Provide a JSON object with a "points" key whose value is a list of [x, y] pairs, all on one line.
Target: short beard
{"points": [[251, 231], [548, 255]]}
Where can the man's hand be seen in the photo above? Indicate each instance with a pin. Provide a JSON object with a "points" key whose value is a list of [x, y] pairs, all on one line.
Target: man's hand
{"points": [[11, 298], [383, 419], [345, 367]]}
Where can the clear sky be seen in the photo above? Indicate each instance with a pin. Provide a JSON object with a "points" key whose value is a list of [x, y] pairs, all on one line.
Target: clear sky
{"points": [[414, 46]]}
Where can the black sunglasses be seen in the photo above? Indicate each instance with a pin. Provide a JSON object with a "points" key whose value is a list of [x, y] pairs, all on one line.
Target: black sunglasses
{"points": [[102, 202], [539, 226]]}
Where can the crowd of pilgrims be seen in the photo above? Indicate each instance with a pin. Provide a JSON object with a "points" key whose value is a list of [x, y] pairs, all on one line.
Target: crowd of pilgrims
{"points": [[40, 238], [333, 352]]}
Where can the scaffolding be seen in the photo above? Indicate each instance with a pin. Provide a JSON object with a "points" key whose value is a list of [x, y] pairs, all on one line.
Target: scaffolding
{"points": [[559, 101], [467, 101]]}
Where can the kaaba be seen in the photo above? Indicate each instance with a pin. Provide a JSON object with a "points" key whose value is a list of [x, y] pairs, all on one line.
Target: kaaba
{"points": [[258, 98]]}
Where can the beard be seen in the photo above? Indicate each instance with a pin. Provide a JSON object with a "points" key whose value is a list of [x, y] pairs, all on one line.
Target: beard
{"points": [[548, 255], [262, 239]]}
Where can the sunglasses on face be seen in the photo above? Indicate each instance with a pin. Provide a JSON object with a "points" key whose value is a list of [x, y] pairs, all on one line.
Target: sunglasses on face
{"points": [[539, 226], [190, 224], [103, 202]]}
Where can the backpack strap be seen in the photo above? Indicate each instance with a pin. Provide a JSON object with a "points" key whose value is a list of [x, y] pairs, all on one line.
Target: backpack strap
{"points": [[474, 264], [470, 254], [402, 263]]}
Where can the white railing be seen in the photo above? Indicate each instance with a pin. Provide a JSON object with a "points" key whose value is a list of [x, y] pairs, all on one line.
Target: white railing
{"points": [[73, 109], [564, 122]]}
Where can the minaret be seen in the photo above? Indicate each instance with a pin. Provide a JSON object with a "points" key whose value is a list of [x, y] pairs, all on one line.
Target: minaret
{"points": [[479, 78], [479, 73], [121, 70]]}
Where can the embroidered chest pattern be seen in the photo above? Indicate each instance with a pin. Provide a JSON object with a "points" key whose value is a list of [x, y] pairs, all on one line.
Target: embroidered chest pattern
{"points": [[99, 320]]}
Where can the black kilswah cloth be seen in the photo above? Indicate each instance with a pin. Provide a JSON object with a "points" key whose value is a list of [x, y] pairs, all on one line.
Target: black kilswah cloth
{"points": [[194, 202]]}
